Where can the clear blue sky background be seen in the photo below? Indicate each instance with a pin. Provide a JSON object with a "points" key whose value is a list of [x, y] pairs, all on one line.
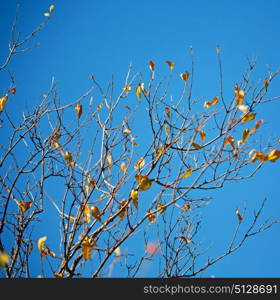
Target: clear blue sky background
{"points": [[103, 37]]}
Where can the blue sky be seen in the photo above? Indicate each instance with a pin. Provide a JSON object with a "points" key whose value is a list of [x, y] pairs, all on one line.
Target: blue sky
{"points": [[103, 37]]}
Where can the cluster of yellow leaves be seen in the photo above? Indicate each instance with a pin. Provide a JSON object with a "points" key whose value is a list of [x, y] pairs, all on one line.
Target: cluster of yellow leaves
{"points": [[213, 102], [87, 245], [144, 183], [51, 9], [140, 89], [24, 206], [170, 64], [185, 76], [79, 110], [3, 101], [43, 249], [272, 156], [4, 259], [123, 208], [140, 163]]}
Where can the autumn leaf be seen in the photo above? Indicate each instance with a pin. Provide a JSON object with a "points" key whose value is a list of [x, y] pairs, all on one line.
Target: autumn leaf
{"points": [[266, 83], [167, 112], [123, 167], [3, 101], [109, 161], [95, 213], [186, 207], [24, 206], [87, 245], [167, 130], [249, 117], [14, 90], [259, 156], [186, 240], [186, 174], [159, 152], [134, 195], [142, 86], [123, 209], [257, 125], [127, 88], [245, 135], [91, 182], [139, 164], [161, 207], [4, 259], [46, 14], [229, 141], [243, 108], [239, 96], [79, 110], [44, 250], [68, 157], [273, 155], [87, 213], [151, 248], [51, 8], [151, 216], [240, 218], [202, 135], [127, 131], [184, 76], [151, 65], [58, 275], [138, 92], [213, 102], [144, 183], [170, 64], [196, 146]]}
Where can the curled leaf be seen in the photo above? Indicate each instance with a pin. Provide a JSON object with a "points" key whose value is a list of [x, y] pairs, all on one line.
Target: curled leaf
{"points": [[196, 146], [24, 206], [170, 64], [79, 110], [184, 76], [87, 245], [213, 102], [259, 156], [95, 213], [3, 101], [229, 141], [138, 92], [273, 155], [51, 8]]}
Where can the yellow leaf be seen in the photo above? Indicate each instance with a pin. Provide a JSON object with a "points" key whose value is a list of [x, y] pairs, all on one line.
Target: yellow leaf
{"points": [[245, 135], [243, 108], [187, 174], [167, 130], [159, 152], [229, 141], [151, 65], [239, 96], [273, 155], [143, 89], [167, 111], [99, 106], [202, 135], [51, 8], [87, 213], [134, 195], [196, 146], [138, 92], [24, 206], [109, 161], [127, 131], [95, 213], [123, 209], [259, 156], [127, 88], [87, 245], [45, 96], [161, 207], [213, 102], [3, 101], [41, 243], [68, 157], [257, 125], [4, 259], [58, 275], [144, 183], [170, 64], [123, 167], [240, 218], [118, 251], [186, 207], [151, 216], [140, 163], [249, 117], [79, 110], [91, 181], [184, 76], [46, 14]]}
